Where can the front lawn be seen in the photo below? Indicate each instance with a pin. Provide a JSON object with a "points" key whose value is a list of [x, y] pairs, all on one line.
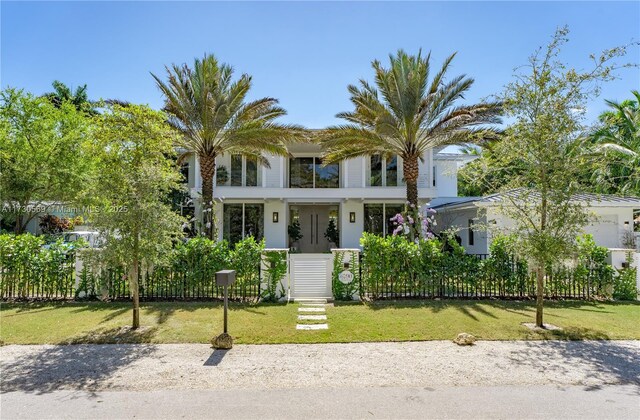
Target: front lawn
{"points": [[197, 322]]}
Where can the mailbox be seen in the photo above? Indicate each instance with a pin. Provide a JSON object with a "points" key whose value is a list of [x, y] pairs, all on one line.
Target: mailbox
{"points": [[225, 277]]}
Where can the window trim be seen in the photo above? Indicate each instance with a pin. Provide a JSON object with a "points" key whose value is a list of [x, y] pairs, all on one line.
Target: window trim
{"points": [[471, 240]]}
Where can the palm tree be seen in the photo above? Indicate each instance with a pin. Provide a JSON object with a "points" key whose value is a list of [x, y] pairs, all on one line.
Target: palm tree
{"points": [[619, 141], [208, 109], [63, 93], [405, 114]]}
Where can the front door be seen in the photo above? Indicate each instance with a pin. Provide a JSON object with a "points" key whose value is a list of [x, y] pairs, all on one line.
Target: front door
{"points": [[314, 221]]}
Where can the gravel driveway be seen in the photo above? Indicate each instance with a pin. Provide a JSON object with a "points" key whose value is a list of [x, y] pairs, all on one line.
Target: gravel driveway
{"points": [[415, 364]]}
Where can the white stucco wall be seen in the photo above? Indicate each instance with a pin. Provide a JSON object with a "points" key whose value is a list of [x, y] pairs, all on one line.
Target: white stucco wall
{"points": [[460, 220], [446, 178], [350, 233], [275, 234]]}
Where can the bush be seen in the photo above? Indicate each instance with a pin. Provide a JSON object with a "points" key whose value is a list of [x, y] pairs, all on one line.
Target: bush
{"points": [[624, 284], [275, 263], [28, 268]]}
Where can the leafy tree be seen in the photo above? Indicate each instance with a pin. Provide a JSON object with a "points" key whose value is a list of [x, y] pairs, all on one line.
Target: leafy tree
{"points": [[210, 111], [43, 155], [406, 114], [618, 140], [134, 146], [542, 153], [78, 98]]}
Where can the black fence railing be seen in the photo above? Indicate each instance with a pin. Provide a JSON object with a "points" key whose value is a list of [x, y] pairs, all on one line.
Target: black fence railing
{"points": [[477, 276]]}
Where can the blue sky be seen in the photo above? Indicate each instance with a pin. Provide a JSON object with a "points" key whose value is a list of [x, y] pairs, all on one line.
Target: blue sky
{"points": [[303, 53]]}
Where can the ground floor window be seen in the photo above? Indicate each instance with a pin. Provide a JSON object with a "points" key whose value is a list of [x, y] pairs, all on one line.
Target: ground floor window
{"points": [[243, 220], [377, 215]]}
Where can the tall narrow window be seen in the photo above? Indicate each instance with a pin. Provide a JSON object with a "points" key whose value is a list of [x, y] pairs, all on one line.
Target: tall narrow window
{"points": [[434, 176], [391, 175], [376, 171], [471, 238], [184, 171], [236, 170], [251, 173], [374, 218]]}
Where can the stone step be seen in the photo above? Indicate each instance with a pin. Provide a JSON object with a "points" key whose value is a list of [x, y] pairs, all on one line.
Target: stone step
{"points": [[313, 305], [310, 300], [312, 317], [312, 327], [311, 310]]}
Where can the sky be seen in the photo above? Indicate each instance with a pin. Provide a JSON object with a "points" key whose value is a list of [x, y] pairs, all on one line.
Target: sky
{"points": [[302, 53]]}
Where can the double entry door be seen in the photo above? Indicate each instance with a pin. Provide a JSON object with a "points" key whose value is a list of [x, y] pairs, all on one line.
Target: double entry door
{"points": [[314, 221]]}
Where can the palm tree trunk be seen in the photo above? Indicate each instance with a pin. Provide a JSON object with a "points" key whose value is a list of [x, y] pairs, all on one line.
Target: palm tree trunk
{"points": [[207, 172], [539, 295], [410, 169]]}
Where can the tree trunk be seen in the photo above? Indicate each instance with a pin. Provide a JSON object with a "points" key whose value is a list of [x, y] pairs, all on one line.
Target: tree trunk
{"points": [[207, 172], [19, 228], [135, 293], [539, 294], [134, 274], [410, 169]]}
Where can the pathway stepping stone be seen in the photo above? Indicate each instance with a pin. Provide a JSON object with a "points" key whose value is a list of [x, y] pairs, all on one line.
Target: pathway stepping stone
{"points": [[312, 317], [305, 309], [312, 327]]}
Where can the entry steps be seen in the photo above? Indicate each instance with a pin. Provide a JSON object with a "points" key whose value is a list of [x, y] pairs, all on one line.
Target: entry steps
{"points": [[312, 314]]}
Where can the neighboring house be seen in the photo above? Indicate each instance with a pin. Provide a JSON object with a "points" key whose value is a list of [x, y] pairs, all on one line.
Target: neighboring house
{"points": [[612, 228], [358, 194]]}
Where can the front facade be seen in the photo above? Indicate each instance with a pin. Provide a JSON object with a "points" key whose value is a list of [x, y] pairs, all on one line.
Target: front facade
{"points": [[356, 195]]}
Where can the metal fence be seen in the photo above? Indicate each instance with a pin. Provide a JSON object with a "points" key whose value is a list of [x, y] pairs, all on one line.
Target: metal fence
{"points": [[478, 276]]}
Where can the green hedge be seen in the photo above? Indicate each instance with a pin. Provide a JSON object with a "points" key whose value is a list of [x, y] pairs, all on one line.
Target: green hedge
{"points": [[393, 267], [28, 269]]}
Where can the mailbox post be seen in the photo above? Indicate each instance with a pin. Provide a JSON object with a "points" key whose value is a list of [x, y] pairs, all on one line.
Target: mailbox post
{"points": [[224, 278]]}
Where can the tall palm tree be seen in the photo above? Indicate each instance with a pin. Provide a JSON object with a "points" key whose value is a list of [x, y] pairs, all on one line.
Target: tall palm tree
{"points": [[79, 98], [406, 114], [208, 108], [619, 141]]}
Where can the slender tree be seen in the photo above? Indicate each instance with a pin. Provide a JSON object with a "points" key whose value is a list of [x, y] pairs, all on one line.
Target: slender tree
{"points": [[134, 149], [210, 111], [542, 152], [406, 114]]}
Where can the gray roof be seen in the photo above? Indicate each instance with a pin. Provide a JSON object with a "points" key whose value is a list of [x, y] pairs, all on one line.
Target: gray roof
{"points": [[591, 199]]}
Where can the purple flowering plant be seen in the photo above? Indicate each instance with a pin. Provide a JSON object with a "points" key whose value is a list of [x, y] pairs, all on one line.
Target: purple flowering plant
{"points": [[414, 223]]}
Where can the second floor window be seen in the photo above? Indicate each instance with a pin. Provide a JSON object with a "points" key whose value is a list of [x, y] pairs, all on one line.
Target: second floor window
{"points": [[384, 172], [244, 171], [308, 172]]}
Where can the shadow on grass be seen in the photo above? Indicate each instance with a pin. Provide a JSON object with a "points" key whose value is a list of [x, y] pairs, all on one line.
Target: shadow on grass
{"points": [[599, 361], [77, 367]]}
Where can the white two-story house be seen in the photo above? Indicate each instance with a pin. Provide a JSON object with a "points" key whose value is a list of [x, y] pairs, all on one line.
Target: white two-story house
{"points": [[358, 195]]}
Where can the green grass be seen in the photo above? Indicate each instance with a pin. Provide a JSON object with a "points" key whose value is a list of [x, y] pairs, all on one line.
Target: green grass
{"points": [[197, 322]]}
